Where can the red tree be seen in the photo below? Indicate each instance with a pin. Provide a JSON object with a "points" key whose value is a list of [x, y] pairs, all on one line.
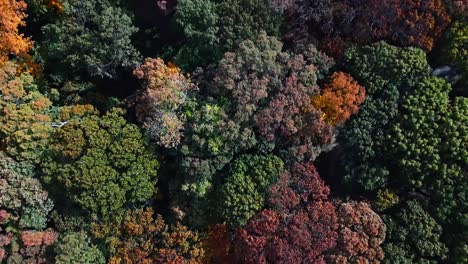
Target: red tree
{"points": [[360, 235], [301, 231], [305, 227], [340, 23]]}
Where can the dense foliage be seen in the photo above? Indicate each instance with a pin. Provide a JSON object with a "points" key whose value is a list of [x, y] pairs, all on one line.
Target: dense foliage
{"points": [[90, 38], [233, 131], [101, 163]]}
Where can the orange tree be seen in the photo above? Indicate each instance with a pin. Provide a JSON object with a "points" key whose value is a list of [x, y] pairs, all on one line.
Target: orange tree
{"points": [[11, 18]]}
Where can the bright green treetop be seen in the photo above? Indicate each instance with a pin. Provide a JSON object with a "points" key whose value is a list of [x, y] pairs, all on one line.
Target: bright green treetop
{"points": [[246, 184], [102, 162]]}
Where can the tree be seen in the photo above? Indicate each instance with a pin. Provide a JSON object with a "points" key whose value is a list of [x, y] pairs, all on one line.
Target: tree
{"points": [[340, 98], [77, 248], [413, 236], [454, 51], [217, 245], [415, 139], [385, 199], [241, 20], [305, 227], [198, 21], [457, 8], [258, 101], [148, 239], [11, 41], [23, 120], [90, 38], [210, 141], [360, 235], [165, 90], [271, 90], [417, 23], [386, 72], [246, 184], [338, 24], [273, 236], [25, 208], [28, 117], [210, 28], [23, 195], [102, 163], [411, 140]]}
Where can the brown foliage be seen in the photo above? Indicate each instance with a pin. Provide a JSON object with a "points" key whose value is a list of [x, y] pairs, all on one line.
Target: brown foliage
{"points": [[217, 245], [360, 235], [141, 238]]}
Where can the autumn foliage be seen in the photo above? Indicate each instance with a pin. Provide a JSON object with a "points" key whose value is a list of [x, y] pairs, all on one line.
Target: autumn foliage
{"points": [[340, 98], [341, 23], [194, 131], [305, 227], [11, 18], [218, 245], [142, 237], [165, 88]]}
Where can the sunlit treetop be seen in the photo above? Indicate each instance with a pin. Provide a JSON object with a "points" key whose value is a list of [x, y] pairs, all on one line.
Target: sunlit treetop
{"points": [[12, 17]]}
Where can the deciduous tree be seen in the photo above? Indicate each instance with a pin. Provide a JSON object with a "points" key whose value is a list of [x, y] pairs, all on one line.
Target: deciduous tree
{"points": [[247, 181], [90, 38], [360, 236], [25, 208], [147, 238], [12, 17], [339, 98], [102, 163], [303, 229], [272, 90], [166, 88], [77, 248], [413, 236], [337, 24]]}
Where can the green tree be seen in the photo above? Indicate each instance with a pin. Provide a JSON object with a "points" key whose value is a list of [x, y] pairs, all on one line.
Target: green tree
{"points": [[25, 208], [243, 193], [210, 142], [22, 194], [77, 248], [102, 162], [386, 72], [210, 28], [198, 21], [90, 38], [385, 199], [410, 134], [413, 236], [454, 48], [241, 20], [415, 138]]}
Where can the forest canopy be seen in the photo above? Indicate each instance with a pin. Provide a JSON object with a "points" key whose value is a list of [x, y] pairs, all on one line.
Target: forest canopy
{"points": [[233, 131]]}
